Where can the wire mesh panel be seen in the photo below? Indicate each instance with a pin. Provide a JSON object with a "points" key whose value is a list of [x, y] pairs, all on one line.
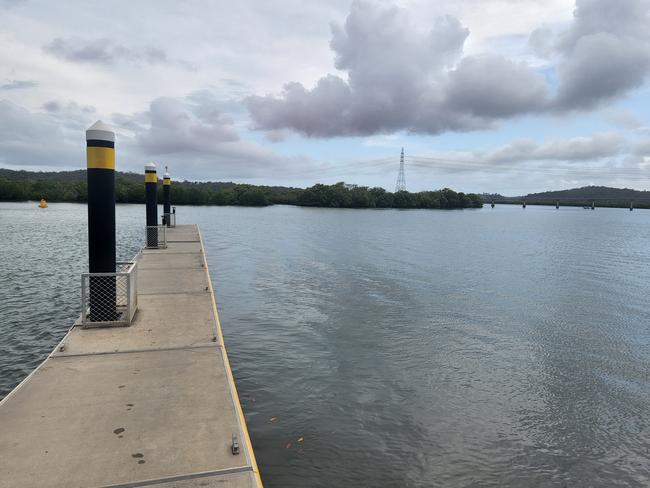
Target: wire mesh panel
{"points": [[156, 237], [109, 299]]}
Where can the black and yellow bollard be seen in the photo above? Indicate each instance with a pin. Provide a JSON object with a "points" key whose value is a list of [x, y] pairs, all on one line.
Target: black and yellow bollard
{"points": [[100, 157], [151, 195], [167, 198]]}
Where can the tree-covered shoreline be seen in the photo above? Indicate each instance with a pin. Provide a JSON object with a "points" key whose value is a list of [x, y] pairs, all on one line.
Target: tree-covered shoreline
{"points": [[70, 186]]}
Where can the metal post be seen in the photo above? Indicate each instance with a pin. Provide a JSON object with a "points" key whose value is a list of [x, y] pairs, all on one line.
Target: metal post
{"points": [[167, 198], [524, 204], [100, 158], [557, 204], [151, 195], [593, 205], [492, 203], [631, 205]]}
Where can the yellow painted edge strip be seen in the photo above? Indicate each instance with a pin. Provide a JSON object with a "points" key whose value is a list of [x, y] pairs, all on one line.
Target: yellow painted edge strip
{"points": [[150, 178], [231, 379], [100, 157]]}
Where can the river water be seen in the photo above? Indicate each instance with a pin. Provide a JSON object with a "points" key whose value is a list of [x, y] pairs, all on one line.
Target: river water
{"points": [[493, 347]]}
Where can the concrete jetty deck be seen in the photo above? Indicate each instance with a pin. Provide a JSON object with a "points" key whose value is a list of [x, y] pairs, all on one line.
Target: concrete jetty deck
{"points": [[153, 404]]}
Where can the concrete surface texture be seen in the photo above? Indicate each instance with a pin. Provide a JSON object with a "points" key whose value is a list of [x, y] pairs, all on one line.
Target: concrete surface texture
{"points": [[153, 404]]}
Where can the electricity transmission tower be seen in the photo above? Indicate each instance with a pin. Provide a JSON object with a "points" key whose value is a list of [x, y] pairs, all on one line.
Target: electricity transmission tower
{"points": [[401, 180]]}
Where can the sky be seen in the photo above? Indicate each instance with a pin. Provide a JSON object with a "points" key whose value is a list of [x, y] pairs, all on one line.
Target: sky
{"points": [[507, 96]]}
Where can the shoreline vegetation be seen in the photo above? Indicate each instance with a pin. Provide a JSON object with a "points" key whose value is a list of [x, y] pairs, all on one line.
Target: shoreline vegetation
{"points": [[70, 186]]}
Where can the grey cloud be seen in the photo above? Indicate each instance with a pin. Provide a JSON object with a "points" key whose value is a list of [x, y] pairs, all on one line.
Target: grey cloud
{"points": [[196, 140], [276, 135], [604, 53], [601, 66], [642, 148], [590, 148], [38, 138], [178, 127], [18, 85], [7, 4], [624, 119], [494, 87], [69, 109], [194, 136], [101, 51], [622, 18], [399, 77], [542, 42]]}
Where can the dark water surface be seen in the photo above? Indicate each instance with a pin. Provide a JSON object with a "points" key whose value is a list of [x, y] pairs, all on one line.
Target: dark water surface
{"points": [[501, 347]]}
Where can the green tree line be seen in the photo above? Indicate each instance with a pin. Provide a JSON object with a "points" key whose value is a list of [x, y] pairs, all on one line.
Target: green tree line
{"points": [[70, 186]]}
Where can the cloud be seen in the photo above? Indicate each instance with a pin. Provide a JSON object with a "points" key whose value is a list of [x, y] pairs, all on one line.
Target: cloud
{"points": [[178, 126], [41, 138], [400, 77], [624, 119], [18, 84], [190, 134], [604, 53], [575, 153], [510, 88], [193, 135], [101, 51], [582, 148], [9, 3]]}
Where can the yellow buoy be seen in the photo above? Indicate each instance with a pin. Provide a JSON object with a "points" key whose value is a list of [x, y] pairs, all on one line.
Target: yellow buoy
{"points": [[43, 203]]}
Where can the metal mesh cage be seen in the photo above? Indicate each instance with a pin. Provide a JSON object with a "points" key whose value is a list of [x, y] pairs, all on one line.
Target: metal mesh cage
{"points": [[156, 237], [109, 299]]}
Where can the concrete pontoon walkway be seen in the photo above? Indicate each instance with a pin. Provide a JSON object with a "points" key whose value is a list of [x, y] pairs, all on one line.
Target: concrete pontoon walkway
{"points": [[153, 404]]}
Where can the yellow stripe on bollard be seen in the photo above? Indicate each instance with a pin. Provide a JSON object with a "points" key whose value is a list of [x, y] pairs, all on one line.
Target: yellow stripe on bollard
{"points": [[100, 157]]}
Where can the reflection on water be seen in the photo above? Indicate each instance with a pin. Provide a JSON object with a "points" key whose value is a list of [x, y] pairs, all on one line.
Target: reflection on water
{"points": [[501, 347]]}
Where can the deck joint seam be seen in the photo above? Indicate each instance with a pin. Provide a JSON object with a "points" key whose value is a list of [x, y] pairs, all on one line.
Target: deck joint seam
{"points": [[133, 351], [182, 477]]}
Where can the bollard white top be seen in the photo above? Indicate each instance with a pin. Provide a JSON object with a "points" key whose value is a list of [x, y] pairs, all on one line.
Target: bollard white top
{"points": [[150, 166], [166, 175], [100, 131]]}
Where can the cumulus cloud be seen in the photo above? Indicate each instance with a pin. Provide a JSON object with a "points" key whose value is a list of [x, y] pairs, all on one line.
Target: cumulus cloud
{"points": [[178, 126], [493, 87], [604, 53], [193, 134], [101, 51], [401, 77], [40, 138], [588, 148]]}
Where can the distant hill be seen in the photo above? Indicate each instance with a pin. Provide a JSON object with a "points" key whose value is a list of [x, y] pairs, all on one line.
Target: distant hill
{"points": [[602, 196]]}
